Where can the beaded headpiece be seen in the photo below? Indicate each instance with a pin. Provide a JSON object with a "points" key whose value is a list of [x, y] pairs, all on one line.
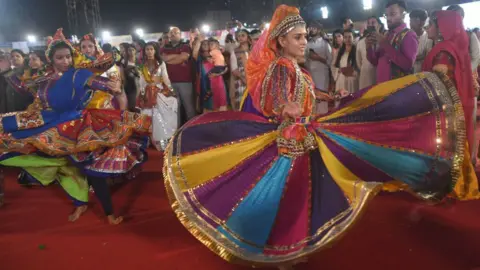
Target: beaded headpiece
{"points": [[264, 53], [286, 25], [55, 40]]}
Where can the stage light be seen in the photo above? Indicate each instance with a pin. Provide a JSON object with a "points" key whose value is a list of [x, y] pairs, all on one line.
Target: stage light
{"points": [[324, 12], [367, 4], [139, 32], [206, 28], [31, 38], [106, 35], [267, 25]]}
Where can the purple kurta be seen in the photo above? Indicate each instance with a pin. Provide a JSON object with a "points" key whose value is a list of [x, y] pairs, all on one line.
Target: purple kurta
{"points": [[385, 54]]}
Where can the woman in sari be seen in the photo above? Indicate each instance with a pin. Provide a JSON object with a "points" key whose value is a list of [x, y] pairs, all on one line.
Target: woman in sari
{"points": [[346, 64], [271, 185], [201, 55], [60, 139], [450, 57], [210, 88], [238, 62], [156, 96], [91, 51]]}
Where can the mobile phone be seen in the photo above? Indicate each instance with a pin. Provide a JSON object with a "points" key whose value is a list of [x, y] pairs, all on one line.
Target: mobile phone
{"points": [[371, 29]]}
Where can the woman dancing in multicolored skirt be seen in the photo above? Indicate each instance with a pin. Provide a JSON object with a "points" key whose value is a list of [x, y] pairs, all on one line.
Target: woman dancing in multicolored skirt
{"points": [[60, 139], [270, 185]]}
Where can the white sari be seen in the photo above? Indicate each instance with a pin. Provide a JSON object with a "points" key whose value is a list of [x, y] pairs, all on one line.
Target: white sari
{"points": [[164, 113]]}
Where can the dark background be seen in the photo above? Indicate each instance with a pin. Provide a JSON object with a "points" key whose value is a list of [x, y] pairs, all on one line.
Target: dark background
{"points": [[42, 17]]}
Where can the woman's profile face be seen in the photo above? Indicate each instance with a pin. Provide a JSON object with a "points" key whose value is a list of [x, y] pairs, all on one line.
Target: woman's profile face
{"points": [[339, 38], [242, 37], [88, 48], [62, 59], [294, 42], [432, 31], [122, 50], [34, 61], [132, 51], [204, 46], [17, 59]]}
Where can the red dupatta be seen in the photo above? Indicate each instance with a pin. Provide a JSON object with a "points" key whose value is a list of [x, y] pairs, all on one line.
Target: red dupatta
{"points": [[456, 43]]}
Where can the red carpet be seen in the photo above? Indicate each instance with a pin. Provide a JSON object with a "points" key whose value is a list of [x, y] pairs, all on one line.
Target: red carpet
{"points": [[397, 232]]}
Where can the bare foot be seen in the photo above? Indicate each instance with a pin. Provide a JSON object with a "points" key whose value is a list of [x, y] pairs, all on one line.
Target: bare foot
{"points": [[77, 213], [113, 220]]}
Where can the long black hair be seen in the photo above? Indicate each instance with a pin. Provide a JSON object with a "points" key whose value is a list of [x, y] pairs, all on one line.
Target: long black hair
{"points": [[18, 51], [157, 52], [351, 56], [40, 54], [334, 41], [60, 45], [249, 38]]}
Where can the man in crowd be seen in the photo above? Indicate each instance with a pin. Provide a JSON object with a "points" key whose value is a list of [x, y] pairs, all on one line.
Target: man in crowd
{"points": [[368, 72], [176, 55], [347, 24], [393, 54], [318, 60], [418, 17]]}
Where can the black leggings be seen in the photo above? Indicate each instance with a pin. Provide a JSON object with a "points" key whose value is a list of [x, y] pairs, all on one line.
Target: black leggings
{"points": [[102, 192]]}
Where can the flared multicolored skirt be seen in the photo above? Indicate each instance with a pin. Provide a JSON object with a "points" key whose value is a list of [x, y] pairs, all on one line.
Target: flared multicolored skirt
{"points": [[101, 142], [230, 187]]}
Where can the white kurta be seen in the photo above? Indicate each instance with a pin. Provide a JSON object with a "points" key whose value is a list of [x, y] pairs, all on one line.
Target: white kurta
{"points": [[474, 51], [343, 82], [164, 114], [318, 70], [368, 72], [424, 46]]}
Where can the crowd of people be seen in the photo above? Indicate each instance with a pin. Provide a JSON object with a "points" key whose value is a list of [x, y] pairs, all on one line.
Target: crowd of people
{"points": [[305, 130]]}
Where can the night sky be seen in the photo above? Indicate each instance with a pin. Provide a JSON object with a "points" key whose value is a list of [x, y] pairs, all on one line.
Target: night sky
{"points": [[42, 17]]}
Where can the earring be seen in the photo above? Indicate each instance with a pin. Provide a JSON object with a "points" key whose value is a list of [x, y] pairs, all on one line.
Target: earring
{"points": [[439, 37]]}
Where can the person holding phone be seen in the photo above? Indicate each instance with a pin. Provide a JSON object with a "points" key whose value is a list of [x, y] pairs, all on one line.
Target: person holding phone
{"points": [[368, 72], [393, 54], [318, 60]]}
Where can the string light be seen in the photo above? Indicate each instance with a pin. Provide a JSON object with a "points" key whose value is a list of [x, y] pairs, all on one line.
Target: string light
{"points": [[31, 38], [367, 4], [324, 12], [106, 35], [206, 28], [139, 32]]}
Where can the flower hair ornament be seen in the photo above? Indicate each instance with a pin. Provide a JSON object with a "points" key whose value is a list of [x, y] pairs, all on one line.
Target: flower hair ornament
{"points": [[58, 38], [92, 38]]}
